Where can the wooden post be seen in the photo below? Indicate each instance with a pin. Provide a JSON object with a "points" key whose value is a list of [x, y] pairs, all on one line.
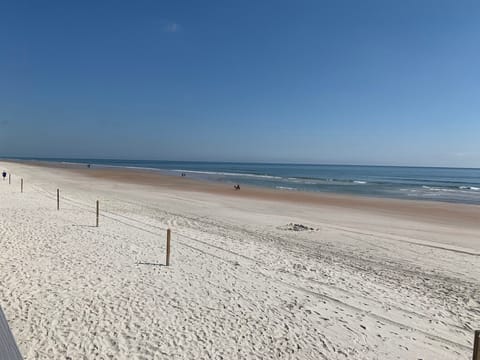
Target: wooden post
{"points": [[476, 345], [58, 199], [9, 178], [167, 261], [21, 185], [98, 209]]}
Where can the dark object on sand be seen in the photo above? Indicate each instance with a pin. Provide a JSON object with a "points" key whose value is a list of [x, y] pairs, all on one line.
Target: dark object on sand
{"points": [[296, 227], [4, 174], [88, 166], [236, 187]]}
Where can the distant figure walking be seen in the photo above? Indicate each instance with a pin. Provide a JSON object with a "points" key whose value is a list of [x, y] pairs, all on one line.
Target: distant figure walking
{"points": [[236, 187], [4, 174], [88, 166]]}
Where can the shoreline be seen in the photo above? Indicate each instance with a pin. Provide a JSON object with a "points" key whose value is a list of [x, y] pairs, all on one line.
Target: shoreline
{"points": [[176, 172], [420, 210], [364, 184]]}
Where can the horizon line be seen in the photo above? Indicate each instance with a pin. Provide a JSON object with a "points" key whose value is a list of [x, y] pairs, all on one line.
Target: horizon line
{"points": [[236, 162]]}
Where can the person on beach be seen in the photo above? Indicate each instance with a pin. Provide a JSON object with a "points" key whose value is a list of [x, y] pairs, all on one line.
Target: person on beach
{"points": [[236, 187], [4, 174]]}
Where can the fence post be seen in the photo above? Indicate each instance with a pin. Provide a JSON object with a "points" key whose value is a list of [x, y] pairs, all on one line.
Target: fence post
{"points": [[58, 199], [476, 345], [9, 178], [167, 261], [98, 209], [21, 185]]}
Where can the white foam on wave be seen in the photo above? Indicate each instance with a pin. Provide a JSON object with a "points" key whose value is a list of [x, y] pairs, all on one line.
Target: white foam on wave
{"points": [[285, 188], [227, 174], [474, 188], [128, 167], [450, 190], [307, 181]]}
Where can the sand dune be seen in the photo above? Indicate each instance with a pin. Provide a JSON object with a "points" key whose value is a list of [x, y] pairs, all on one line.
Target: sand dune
{"points": [[372, 280]]}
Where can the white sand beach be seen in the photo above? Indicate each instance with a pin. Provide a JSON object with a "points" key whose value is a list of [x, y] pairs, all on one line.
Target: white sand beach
{"points": [[391, 280]]}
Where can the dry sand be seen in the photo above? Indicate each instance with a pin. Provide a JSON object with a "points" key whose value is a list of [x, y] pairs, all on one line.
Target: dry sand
{"points": [[374, 279]]}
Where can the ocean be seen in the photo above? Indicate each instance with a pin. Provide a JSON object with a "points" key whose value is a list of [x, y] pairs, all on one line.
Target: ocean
{"points": [[458, 185]]}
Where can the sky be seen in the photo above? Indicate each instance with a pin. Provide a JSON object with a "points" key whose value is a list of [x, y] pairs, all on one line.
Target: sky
{"points": [[387, 82]]}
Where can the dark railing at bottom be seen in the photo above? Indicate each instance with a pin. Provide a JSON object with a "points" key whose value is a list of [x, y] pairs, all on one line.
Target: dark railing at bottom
{"points": [[476, 346], [8, 346]]}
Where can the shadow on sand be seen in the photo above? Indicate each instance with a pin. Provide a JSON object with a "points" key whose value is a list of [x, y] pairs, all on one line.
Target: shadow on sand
{"points": [[150, 264]]}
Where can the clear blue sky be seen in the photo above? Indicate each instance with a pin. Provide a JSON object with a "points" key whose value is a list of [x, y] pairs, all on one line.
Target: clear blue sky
{"points": [[358, 82]]}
